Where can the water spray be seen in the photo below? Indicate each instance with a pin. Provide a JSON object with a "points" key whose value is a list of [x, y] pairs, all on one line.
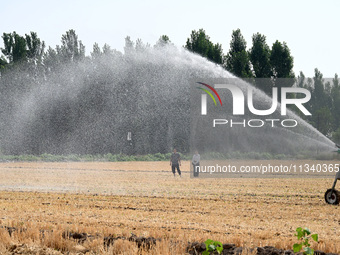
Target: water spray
{"points": [[337, 145]]}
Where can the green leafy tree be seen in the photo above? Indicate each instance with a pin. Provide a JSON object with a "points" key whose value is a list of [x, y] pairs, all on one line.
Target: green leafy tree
{"points": [[164, 40], [107, 49], [129, 47], [199, 42], [35, 48], [323, 120], [27, 51], [324, 103], [140, 46], [335, 94], [71, 48], [259, 55], [14, 47], [305, 83], [281, 62], [301, 80], [51, 60], [318, 93], [336, 82], [3, 63], [336, 136], [96, 52], [237, 59], [321, 104], [216, 53]]}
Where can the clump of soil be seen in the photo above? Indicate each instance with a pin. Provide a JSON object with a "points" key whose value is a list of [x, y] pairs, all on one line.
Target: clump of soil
{"points": [[192, 248], [197, 248], [31, 250]]}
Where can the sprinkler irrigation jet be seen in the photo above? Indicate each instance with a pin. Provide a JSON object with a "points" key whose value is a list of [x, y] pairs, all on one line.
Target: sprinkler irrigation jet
{"points": [[337, 145]]}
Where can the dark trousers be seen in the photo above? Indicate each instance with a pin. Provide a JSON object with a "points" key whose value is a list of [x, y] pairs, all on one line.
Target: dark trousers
{"points": [[174, 166], [196, 171]]}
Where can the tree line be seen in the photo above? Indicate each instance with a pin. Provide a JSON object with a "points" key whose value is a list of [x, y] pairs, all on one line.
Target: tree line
{"points": [[60, 101], [26, 63], [275, 62]]}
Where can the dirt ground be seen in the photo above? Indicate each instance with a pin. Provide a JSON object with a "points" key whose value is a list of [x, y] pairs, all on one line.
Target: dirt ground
{"points": [[143, 198]]}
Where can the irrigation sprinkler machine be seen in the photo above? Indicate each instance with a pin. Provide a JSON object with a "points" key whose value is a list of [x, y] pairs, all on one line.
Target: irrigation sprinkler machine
{"points": [[332, 196]]}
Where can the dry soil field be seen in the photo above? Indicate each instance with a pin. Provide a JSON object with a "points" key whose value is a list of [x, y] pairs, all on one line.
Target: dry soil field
{"points": [[43, 206]]}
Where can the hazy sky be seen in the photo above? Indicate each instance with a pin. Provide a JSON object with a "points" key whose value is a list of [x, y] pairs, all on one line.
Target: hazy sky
{"points": [[310, 28]]}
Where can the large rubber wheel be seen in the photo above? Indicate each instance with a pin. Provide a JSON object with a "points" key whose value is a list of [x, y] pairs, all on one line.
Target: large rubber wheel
{"points": [[332, 197]]}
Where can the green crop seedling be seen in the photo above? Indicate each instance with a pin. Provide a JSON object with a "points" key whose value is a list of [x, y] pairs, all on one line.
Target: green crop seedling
{"points": [[212, 246], [303, 235]]}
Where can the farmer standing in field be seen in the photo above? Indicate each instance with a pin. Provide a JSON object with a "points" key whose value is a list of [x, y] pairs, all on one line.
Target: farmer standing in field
{"points": [[196, 163], [175, 162]]}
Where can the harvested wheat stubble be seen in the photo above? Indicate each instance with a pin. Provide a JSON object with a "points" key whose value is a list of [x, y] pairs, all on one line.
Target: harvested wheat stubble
{"points": [[100, 198]]}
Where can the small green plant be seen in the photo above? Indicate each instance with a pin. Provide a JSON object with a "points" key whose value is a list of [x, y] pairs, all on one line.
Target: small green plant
{"points": [[211, 246], [303, 235]]}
